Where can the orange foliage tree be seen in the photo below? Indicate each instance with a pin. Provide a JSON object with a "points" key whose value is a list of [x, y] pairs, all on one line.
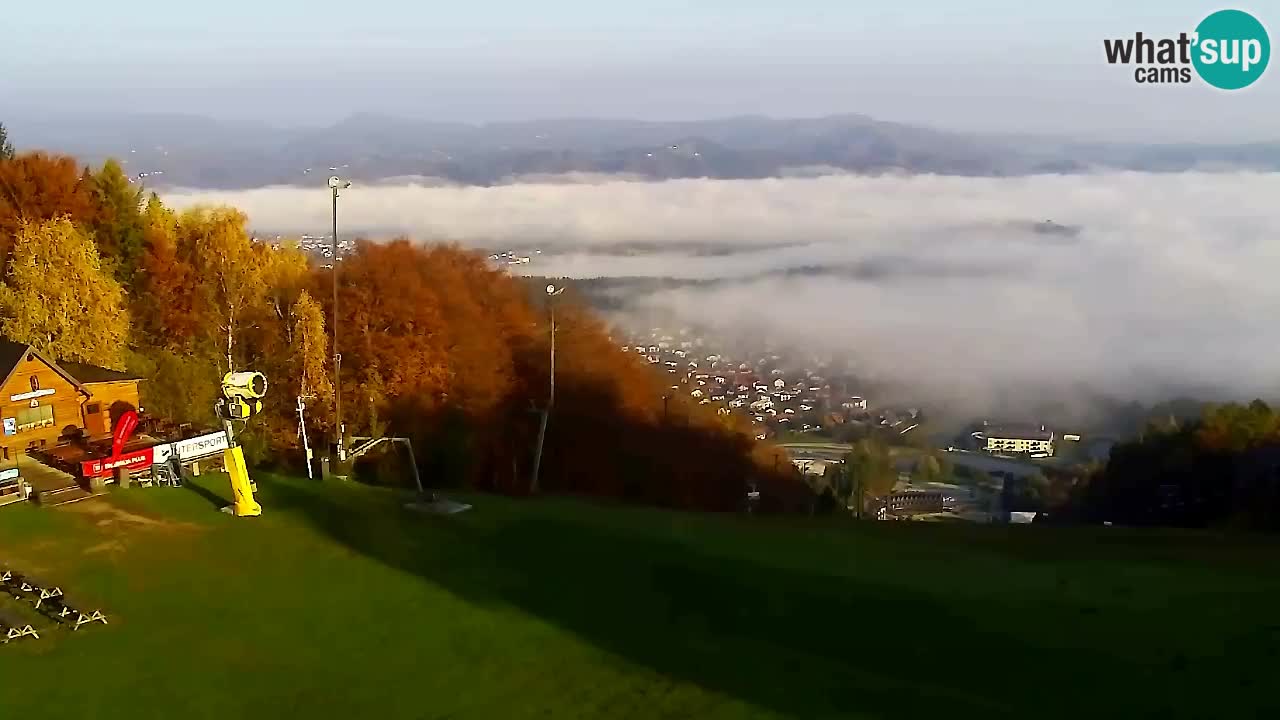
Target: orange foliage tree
{"points": [[442, 348], [36, 187]]}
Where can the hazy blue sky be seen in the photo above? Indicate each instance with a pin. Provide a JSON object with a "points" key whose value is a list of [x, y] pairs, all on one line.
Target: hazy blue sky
{"points": [[976, 64]]}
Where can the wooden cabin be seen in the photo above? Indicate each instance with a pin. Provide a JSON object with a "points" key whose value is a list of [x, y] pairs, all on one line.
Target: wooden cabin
{"points": [[42, 400], [110, 392]]}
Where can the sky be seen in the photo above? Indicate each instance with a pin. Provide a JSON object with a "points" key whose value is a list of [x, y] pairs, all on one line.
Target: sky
{"points": [[986, 65]]}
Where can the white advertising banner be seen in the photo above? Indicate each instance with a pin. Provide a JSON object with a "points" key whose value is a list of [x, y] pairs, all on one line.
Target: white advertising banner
{"points": [[201, 446]]}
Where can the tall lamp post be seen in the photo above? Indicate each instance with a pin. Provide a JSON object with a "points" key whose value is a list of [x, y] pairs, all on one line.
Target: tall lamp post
{"points": [[337, 184], [552, 292]]}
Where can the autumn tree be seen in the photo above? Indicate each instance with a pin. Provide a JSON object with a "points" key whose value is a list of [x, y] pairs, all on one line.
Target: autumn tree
{"points": [[35, 187], [931, 467], [118, 221], [81, 316], [6, 147], [181, 386], [1238, 427], [165, 288], [392, 322], [229, 273], [870, 467], [286, 274], [310, 356], [198, 285]]}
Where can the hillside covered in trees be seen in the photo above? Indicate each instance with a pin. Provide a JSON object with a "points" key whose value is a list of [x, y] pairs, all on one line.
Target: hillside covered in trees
{"points": [[435, 345], [1222, 469]]}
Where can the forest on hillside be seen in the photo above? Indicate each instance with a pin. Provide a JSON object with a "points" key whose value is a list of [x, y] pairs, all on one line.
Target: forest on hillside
{"points": [[435, 345]]}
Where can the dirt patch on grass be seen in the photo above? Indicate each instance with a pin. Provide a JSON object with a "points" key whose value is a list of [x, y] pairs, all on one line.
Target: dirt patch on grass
{"points": [[109, 546], [108, 516]]}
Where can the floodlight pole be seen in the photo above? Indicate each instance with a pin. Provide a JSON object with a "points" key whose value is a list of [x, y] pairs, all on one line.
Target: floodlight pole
{"points": [[552, 292], [335, 184]]}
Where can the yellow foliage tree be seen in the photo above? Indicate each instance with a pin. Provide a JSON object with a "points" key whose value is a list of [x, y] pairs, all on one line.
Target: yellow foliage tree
{"points": [[58, 298], [311, 349], [231, 272], [285, 272]]}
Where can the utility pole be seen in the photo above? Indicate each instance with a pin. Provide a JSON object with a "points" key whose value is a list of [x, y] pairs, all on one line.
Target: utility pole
{"points": [[335, 184], [552, 292]]}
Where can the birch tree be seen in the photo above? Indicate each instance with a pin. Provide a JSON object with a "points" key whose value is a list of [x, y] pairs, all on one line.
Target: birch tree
{"points": [[58, 297]]}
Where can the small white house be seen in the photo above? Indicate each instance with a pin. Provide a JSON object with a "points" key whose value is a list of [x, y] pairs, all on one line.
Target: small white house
{"points": [[779, 383]]}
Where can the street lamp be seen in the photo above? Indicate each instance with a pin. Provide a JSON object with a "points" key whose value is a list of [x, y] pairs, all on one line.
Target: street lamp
{"points": [[552, 292], [337, 184]]}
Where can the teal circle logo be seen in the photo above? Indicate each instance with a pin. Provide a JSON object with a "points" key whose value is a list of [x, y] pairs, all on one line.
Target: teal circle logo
{"points": [[1231, 49]]}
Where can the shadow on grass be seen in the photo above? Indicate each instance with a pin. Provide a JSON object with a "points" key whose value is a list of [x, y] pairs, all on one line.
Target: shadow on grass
{"points": [[198, 486], [804, 644]]}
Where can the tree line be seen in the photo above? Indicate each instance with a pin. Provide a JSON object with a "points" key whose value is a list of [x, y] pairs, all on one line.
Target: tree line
{"points": [[1222, 469], [436, 345]]}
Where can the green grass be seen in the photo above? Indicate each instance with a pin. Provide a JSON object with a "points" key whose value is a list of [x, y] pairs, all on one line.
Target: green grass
{"points": [[338, 603]]}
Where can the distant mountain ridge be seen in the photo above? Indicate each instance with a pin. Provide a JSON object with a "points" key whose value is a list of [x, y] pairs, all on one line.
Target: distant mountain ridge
{"points": [[192, 151]]}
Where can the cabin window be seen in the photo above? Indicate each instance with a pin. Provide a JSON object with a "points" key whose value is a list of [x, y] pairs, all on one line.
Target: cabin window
{"points": [[35, 383], [36, 417], [92, 409]]}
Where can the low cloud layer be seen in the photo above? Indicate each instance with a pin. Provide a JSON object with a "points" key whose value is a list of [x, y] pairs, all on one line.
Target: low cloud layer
{"points": [[1134, 285]]}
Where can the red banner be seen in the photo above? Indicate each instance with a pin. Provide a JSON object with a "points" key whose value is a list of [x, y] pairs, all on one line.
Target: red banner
{"points": [[125, 426], [104, 467]]}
